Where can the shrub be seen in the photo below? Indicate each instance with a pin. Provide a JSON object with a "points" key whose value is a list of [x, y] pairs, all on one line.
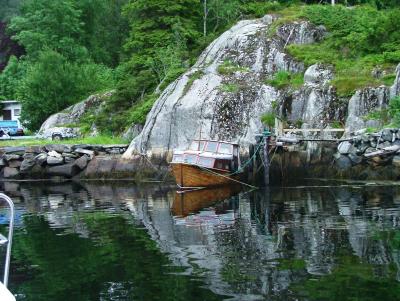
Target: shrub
{"points": [[360, 39], [53, 83], [268, 119]]}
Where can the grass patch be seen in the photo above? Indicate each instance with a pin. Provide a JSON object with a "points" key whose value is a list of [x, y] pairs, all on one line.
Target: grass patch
{"points": [[194, 76], [230, 88], [101, 139], [284, 79], [228, 68], [380, 115], [388, 79]]}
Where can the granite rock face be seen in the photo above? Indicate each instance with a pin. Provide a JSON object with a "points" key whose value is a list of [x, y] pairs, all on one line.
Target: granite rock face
{"points": [[225, 93], [73, 114]]}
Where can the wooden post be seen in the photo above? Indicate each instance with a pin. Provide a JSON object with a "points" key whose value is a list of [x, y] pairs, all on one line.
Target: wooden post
{"points": [[266, 161], [250, 166], [255, 165]]}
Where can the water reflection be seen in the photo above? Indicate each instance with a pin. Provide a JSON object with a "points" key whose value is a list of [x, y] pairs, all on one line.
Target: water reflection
{"points": [[309, 243]]}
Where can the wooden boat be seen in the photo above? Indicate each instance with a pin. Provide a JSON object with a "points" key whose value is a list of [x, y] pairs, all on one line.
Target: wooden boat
{"points": [[206, 163]]}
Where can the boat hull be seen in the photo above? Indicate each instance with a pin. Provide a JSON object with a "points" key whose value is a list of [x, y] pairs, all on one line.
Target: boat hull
{"points": [[192, 176]]}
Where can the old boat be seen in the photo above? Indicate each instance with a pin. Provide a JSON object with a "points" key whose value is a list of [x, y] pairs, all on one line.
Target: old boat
{"points": [[206, 163]]}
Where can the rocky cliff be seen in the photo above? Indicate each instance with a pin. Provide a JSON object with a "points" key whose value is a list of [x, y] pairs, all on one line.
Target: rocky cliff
{"points": [[225, 93]]}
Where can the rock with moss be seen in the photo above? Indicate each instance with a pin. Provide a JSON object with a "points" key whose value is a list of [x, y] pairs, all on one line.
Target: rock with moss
{"points": [[71, 117], [227, 99]]}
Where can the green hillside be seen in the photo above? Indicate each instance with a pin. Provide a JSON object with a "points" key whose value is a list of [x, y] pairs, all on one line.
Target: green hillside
{"points": [[77, 48]]}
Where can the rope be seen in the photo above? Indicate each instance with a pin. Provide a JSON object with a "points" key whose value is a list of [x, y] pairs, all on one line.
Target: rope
{"points": [[227, 177], [241, 169]]}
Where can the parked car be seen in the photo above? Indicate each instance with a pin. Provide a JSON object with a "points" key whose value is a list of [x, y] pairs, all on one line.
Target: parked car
{"points": [[10, 128], [59, 133]]}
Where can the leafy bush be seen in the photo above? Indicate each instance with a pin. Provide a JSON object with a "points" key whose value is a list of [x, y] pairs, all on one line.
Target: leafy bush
{"points": [[268, 119], [53, 83], [10, 78], [260, 8], [360, 39], [284, 79], [138, 113]]}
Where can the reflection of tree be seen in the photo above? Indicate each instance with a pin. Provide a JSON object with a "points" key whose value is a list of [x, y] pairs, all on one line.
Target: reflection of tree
{"points": [[68, 267], [351, 279]]}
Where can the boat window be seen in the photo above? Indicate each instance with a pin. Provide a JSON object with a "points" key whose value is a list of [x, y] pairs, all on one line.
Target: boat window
{"points": [[222, 164], [194, 146], [190, 159], [202, 143], [177, 158], [225, 148], [206, 162], [211, 146]]}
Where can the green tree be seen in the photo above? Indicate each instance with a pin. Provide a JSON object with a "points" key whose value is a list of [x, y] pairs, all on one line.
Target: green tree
{"points": [[53, 25], [162, 39], [104, 29], [53, 83], [11, 77], [158, 24]]}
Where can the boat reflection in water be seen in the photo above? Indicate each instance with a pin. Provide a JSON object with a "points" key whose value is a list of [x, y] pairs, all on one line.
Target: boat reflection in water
{"points": [[189, 202]]}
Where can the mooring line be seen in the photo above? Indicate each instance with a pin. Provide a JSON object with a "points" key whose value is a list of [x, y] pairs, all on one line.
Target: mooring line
{"points": [[234, 180]]}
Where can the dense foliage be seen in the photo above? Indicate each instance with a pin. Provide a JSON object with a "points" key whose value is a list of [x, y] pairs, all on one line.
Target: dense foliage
{"points": [[137, 47], [70, 51], [361, 39]]}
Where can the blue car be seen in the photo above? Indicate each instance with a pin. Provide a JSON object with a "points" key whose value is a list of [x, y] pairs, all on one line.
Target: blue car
{"points": [[11, 128]]}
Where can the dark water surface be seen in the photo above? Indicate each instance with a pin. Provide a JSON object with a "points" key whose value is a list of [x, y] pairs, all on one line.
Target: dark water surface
{"points": [[118, 241]]}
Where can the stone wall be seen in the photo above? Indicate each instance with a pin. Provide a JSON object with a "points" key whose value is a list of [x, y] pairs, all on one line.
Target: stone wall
{"points": [[68, 161], [371, 155]]}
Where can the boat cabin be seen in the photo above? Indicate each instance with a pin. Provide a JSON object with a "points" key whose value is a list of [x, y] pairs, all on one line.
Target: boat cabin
{"points": [[210, 154]]}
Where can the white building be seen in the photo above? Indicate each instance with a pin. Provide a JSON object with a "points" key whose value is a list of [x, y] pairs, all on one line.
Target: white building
{"points": [[11, 110]]}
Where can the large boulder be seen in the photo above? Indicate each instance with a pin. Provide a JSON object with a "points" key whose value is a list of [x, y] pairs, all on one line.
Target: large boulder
{"points": [[10, 173], [73, 114], [318, 74], [224, 95], [363, 102], [66, 170]]}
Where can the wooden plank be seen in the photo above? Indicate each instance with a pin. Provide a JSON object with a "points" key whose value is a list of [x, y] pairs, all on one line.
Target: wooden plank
{"points": [[312, 130], [374, 154]]}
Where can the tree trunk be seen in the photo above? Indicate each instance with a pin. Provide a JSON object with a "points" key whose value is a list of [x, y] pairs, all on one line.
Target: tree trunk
{"points": [[205, 18]]}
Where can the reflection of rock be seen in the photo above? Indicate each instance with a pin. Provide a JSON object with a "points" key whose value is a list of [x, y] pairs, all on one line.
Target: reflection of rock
{"points": [[10, 172]]}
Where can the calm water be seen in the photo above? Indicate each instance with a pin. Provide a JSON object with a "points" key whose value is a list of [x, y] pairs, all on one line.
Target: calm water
{"points": [[122, 242]]}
